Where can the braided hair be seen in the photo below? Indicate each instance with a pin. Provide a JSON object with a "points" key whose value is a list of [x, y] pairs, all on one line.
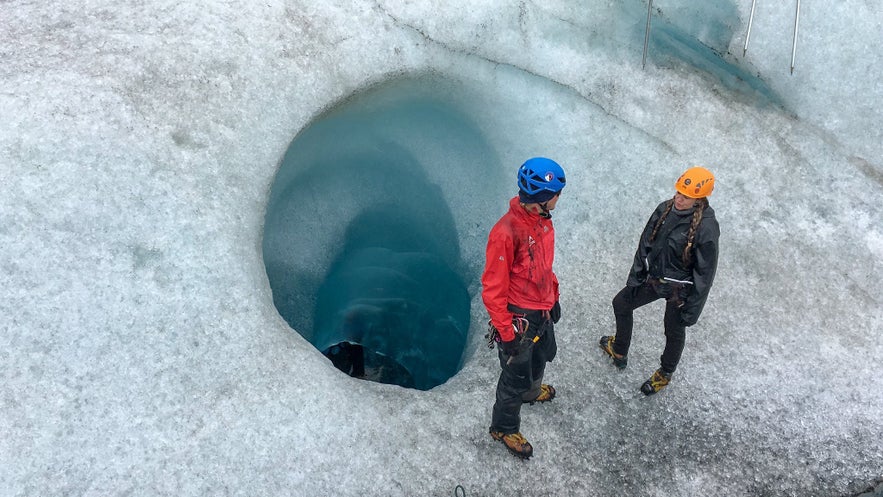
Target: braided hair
{"points": [[668, 206], [698, 211]]}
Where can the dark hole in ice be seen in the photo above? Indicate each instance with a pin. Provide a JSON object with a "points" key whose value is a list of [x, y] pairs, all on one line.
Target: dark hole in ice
{"points": [[361, 246]]}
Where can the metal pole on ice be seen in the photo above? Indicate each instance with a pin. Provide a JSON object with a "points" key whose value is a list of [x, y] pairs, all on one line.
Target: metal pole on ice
{"points": [[647, 33], [794, 44], [748, 33]]}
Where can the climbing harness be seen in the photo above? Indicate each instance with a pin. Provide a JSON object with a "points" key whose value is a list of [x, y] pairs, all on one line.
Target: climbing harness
{"points": [[520, 325]]}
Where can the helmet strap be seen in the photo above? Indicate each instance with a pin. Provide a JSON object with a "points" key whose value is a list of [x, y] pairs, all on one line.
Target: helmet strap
{"points": [[543, 210]]}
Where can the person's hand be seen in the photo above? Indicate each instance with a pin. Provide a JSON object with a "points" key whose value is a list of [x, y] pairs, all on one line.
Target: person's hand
{"points": [[555, 313], [637, 278], [511, 348]]}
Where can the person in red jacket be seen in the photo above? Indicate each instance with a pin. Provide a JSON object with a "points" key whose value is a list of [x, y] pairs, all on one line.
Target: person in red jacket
{"points": [[520, 292]]}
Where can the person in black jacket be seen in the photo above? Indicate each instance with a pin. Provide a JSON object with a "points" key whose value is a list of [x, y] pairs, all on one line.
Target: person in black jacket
{"points": [[676, 261]]}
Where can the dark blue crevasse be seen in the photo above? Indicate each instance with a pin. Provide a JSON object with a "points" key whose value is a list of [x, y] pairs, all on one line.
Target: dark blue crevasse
{"points": [[361, 245], [389, 292], [671, 40], [698, 34]]}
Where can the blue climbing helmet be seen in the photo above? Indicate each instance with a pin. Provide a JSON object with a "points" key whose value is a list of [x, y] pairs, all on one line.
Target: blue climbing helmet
{"points": [[539, 179]]}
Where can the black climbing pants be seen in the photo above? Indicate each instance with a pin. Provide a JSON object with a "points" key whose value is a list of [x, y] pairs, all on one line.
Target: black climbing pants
{"points": [[521, 378], [630, 298]]}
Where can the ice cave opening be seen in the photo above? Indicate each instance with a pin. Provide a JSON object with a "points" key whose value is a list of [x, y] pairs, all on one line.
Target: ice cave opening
{"points": [[363, 230]]}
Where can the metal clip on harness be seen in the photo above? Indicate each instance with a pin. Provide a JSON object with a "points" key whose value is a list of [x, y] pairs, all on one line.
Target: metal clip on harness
{"points": [[520, 324]]}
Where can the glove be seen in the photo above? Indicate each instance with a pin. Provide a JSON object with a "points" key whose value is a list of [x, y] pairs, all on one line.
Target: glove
{"points": [[555, 313], [637, 279], [511, 348]]}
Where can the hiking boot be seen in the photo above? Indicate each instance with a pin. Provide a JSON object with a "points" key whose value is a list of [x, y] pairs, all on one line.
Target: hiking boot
{"points": [[606, 344], [515, 442], [657, 382], [547, 393]]}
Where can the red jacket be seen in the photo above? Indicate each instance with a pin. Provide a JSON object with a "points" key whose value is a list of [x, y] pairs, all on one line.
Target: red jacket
{"points": [[518, 271]]}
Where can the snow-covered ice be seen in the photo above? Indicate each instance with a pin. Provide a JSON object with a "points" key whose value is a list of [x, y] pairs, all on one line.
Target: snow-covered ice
{"points": [[140, 349]]}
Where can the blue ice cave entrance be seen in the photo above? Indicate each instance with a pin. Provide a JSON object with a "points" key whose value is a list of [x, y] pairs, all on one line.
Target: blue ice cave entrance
{"points": [[362, 239]]}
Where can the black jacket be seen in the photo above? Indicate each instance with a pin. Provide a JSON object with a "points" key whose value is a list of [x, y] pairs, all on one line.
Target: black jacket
{"points": [[663, 258]]}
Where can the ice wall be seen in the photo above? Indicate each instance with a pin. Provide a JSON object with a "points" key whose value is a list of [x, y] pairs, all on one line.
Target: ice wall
{"points": [[141, 352]]}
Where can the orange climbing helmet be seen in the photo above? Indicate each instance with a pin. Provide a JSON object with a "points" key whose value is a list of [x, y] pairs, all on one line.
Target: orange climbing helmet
{"points": [[696, 182]]}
